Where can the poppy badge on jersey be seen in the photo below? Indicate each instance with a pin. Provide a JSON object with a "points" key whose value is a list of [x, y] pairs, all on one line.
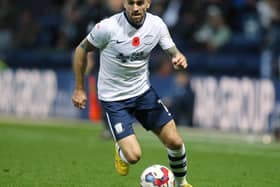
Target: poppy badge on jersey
{"points": [[136, 41]]}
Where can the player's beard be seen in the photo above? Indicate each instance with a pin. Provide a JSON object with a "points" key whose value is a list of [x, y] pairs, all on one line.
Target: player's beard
{"points": [[137, 19]]}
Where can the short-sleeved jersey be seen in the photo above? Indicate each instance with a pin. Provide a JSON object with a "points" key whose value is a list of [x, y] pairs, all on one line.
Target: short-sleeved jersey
{"points": [[124, 54]]}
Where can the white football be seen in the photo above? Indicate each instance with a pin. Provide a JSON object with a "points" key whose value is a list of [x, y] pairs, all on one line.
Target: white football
{"points": [[157, 176]]}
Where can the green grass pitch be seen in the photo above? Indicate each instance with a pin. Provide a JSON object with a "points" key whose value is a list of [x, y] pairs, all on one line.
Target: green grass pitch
{"points": [[72, 154]]}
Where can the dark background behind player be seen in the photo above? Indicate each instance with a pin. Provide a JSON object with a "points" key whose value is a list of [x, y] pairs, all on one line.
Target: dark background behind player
{"points": [[233, 38]]}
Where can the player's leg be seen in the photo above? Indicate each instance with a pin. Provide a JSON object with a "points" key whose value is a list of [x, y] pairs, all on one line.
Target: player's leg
{"points": [[127, 148], [170, 137], [154, 115], [127, 151]]}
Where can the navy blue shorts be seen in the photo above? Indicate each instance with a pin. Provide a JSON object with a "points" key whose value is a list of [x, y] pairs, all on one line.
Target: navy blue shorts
{"points": [[147, 108]]}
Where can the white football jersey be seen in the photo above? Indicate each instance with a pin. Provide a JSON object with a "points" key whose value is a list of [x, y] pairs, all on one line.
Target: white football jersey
{"points": [[124, 54]]}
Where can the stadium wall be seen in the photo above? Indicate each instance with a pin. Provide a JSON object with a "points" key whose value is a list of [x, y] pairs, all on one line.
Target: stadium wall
{"points": [[37, 93], [227, 103], [234, 104]]}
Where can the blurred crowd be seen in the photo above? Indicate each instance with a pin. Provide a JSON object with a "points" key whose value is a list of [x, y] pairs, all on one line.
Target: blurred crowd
{"points": [[203, 27], [195, 24]]}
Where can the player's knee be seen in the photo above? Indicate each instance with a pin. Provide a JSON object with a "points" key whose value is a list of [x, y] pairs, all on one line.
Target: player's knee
{"points": [[134, 157], [175, 143]]}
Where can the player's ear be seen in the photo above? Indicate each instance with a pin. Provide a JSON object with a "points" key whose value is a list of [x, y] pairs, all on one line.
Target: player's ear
{"points": [[148, 3], [124, 3]]}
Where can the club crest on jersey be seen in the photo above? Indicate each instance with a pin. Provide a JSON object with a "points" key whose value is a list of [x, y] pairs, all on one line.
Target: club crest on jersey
{"points": [[148, 40], [118, 128], [136, 41]]}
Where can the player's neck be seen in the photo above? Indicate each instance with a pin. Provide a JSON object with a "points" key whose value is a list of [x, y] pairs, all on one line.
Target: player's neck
{"points": [[137, 26]]}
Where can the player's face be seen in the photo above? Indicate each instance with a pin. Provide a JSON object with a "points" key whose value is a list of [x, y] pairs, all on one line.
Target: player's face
{"points": [[136, 10]]}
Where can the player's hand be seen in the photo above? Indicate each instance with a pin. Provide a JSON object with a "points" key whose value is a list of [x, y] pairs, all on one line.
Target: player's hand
{"points": [[79, 98], [179, 61]]}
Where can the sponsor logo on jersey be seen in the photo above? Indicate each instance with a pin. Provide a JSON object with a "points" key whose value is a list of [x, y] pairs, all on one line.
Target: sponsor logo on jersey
{"points": [[132, 57]]}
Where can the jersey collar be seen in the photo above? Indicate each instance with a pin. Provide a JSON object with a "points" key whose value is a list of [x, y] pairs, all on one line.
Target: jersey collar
{"points": [[132, 24]]}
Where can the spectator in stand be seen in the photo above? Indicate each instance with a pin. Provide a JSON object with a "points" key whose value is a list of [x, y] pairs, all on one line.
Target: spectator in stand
{"points": [[27, 31], [8, 18], [163, 78], [69, 28], [112, 7], [190, 16], [91, 11], [179, 98], [171, 14], [270, 16], [214, 33], [158, 7], [182, 105], [273, 35]]}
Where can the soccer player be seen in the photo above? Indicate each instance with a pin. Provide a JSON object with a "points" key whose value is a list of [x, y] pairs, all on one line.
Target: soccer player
{"points": [[125, 41]]}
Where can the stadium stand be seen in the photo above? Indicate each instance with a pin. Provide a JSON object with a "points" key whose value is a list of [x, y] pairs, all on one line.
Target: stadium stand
{"points": [[220, 38]]}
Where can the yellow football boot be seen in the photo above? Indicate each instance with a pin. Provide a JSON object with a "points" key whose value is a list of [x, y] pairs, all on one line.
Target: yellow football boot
{"points": [[186, 185], [121, 167]]}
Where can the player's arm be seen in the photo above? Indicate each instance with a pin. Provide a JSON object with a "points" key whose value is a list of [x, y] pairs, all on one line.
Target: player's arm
{"points": [[178, 60], [79, 97]]}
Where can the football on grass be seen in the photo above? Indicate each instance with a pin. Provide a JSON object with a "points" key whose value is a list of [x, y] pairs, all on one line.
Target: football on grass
{"points": [[157, 176]]}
